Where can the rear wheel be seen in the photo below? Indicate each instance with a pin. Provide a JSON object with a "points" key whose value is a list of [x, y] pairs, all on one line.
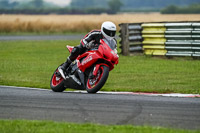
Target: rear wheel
{"points": [[95, 83], [57, 82]]}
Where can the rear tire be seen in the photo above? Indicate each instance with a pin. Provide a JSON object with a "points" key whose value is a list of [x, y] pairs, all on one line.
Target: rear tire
{"points": [[57, 84], [100, 80]]}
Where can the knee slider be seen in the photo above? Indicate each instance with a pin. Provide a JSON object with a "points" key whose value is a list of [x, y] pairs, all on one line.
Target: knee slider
{"points": [[74, 53]]}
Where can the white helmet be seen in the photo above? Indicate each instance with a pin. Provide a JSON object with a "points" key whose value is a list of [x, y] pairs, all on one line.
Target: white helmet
{"points": [[108, 30]]}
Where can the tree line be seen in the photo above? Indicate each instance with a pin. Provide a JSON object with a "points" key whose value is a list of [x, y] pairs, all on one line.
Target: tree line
{"points": [[40, 7], [191, 9], [100, 6]]}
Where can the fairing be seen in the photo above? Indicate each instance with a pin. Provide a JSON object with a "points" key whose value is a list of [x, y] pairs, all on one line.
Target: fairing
{"points": [[105, 54]]}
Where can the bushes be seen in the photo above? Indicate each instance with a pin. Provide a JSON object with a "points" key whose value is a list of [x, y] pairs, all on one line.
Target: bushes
{"points": [[192, 9], [39, 11], [56, 11]]}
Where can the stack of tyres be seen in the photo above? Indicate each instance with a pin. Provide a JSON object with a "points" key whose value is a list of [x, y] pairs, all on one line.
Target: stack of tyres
{"points": [[135, 38], [179, 39], [196, 39], [154, 38], [166, 39]]}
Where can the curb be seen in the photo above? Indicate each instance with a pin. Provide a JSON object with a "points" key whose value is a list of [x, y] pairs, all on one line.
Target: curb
{"points": [[145, 94], [118, 93]]}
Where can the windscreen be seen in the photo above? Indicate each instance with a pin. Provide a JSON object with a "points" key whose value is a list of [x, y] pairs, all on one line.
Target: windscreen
{"points": [[111, 43]]}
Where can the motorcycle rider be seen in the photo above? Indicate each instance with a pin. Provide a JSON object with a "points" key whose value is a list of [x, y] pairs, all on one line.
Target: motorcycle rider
{"points": [[91, 40]]}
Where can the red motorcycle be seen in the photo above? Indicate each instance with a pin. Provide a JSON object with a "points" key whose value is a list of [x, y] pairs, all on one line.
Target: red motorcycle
{"points": [[89, 71]]}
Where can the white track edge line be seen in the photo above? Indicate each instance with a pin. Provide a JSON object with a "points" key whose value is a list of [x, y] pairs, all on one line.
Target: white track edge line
{"points": [[104, 92]]}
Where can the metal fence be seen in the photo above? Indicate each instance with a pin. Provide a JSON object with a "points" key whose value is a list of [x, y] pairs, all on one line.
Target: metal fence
{"points": [[167, 39]]}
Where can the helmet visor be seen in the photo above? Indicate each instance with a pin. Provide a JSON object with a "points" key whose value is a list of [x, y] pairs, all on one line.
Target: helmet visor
{"points": [[110, 33]]}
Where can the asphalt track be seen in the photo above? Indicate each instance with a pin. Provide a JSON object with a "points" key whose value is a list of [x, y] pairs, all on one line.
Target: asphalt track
{"points": [[34, 104], [40, 37]]}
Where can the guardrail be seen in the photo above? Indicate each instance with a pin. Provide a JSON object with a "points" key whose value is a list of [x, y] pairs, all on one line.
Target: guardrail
{"points": [[167, 39]]}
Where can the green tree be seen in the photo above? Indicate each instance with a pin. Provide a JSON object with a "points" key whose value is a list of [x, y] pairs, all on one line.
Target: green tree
{"points": [[37, 3], [115, 5], [172, 9], [191, 9], [4, 4]]}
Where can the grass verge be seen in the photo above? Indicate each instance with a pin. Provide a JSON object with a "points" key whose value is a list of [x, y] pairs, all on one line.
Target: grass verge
{"points": [[39, 33], [24, 126], [31, 64]]}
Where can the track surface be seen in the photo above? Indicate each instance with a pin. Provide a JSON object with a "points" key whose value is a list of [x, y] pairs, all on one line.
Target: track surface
{"points": [[32, 104], [41, 37]]}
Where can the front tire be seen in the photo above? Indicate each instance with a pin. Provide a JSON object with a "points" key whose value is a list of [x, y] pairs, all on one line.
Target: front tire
{"points": [[94, 84], [57, 83]]}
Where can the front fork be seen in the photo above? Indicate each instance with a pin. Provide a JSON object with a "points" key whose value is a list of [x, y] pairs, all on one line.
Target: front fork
{"points": [[95, 70], [95, 74]]}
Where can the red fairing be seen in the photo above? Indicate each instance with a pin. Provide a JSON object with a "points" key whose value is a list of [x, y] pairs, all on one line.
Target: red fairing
{"points": [[90, 58], [104, 54], [110, 54]]}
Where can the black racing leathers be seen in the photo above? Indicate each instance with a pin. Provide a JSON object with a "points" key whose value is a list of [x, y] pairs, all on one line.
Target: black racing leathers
{"points": [[94, 35]]}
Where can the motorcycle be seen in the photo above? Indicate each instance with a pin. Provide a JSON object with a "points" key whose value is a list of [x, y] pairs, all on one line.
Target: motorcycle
{"points": [[89, 71]]}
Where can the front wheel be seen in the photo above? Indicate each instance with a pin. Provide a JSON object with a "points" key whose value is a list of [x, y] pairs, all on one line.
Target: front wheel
{"points": [[95, 83], [57, 82]]}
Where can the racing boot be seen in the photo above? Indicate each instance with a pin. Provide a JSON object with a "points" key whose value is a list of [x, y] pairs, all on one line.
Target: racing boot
{"points": [[62, 69]]}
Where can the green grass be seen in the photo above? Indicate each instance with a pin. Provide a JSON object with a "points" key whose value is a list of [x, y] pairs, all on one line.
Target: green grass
{"points": [[31, 64], [23, 126], [39, 33]]}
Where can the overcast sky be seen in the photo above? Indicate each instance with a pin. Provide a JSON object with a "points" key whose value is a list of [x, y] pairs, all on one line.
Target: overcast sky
{"points": [[57, 2]]}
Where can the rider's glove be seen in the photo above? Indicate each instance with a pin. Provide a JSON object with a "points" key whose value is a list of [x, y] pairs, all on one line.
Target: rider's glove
{"points": [[90, 45]]}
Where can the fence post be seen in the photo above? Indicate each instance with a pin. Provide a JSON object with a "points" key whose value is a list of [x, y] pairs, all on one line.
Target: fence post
{"points": [[124, 39]]}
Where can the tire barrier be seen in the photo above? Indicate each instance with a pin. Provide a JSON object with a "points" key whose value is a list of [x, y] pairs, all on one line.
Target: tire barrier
{"points": [[131, 35], [154, 38], [166, 39]]}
